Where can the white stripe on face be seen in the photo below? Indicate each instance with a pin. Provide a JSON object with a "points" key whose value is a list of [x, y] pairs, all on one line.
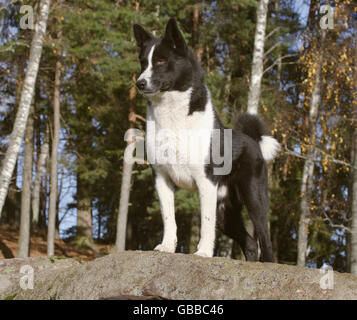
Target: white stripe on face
{"points": [[146, 75]]}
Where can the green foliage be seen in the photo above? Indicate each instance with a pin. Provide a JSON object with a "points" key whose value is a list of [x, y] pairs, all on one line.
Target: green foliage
{"points": [[12, 297]]}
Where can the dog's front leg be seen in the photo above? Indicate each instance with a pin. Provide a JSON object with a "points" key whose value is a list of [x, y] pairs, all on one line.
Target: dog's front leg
{"points": [[165, 191], [208, 201]]}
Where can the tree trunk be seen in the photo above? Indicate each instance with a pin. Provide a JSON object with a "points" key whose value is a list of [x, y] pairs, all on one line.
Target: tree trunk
{"points": [[127, 172], [123, 207], [227, 91], [353, 236], [25, 221], [84, 211], [279, 69], [195, 32], [44, 196], [258, 55], [195, 232], [129, 235], [353, 245], [25, 102], [306, 183], [304, 221], [54, 161], [40, 171], [125, 184]]}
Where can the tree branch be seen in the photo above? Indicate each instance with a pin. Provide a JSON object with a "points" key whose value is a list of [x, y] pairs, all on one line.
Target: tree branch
{"points": [[11, 47], [277, 61], [332, 159], [272, 48], [271, 33], [333, 225]]}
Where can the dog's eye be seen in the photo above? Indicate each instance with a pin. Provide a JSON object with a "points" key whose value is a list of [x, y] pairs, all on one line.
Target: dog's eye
{"points": [[160, 62]]}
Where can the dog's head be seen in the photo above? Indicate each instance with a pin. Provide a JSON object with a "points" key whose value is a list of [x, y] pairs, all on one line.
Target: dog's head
{"points": [[166, 62]]}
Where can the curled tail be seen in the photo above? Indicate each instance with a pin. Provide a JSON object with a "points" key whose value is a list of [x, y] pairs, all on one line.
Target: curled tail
{"points": [[253, 127]]}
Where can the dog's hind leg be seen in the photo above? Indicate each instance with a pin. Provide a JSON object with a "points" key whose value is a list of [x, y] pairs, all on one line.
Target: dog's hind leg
{"points": [[254, 193], [230, 222]]}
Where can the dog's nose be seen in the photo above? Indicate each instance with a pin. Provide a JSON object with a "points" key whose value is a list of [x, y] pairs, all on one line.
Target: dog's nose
{"points": [[141, 84]]}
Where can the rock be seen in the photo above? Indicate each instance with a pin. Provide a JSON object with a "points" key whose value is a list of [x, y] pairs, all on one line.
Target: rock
{"points": [[155, 275]]}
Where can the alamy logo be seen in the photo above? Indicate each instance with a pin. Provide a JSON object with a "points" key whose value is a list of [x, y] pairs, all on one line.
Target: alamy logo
{"points": [[187, 147], [327, 280], [326, 21], [27, 281], [26, 21]]}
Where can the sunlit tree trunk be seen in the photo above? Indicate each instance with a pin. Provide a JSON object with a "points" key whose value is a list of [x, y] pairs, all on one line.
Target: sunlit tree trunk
{"points": [[25, 102], [25, 220], [52, 212], [127, 173], [307, 175], [125, 187], [304, 221], [353, 236], [258, 56], [195, 32]]}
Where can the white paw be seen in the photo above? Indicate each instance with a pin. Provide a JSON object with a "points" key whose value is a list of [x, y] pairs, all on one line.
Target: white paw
{"points": [[203, 254], [165, 248]]}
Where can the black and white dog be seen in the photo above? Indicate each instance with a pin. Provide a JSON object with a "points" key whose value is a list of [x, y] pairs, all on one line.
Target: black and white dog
{"points": [[181, 122]]}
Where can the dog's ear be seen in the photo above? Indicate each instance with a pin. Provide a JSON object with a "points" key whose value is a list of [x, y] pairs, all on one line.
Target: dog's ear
{"points": [[141, 35], [174, 39]]}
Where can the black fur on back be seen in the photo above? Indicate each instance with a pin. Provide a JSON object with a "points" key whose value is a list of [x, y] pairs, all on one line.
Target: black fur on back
{"points": [[252, 126]]}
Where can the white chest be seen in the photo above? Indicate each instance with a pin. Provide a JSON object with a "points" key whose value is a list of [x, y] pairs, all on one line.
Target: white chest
{"points": [[178, 144]]}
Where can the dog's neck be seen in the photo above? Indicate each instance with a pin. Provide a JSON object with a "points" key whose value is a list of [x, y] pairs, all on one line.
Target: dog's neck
{"points": [[171, 100]]}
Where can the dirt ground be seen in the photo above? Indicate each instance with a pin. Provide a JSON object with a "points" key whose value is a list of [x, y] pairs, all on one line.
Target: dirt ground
{"points": [[9, 245]]}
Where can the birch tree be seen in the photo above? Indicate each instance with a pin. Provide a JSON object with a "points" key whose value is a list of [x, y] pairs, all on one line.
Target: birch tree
{"points": [[27, 92], [25, 220], [307, 175], [258, 56]]}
